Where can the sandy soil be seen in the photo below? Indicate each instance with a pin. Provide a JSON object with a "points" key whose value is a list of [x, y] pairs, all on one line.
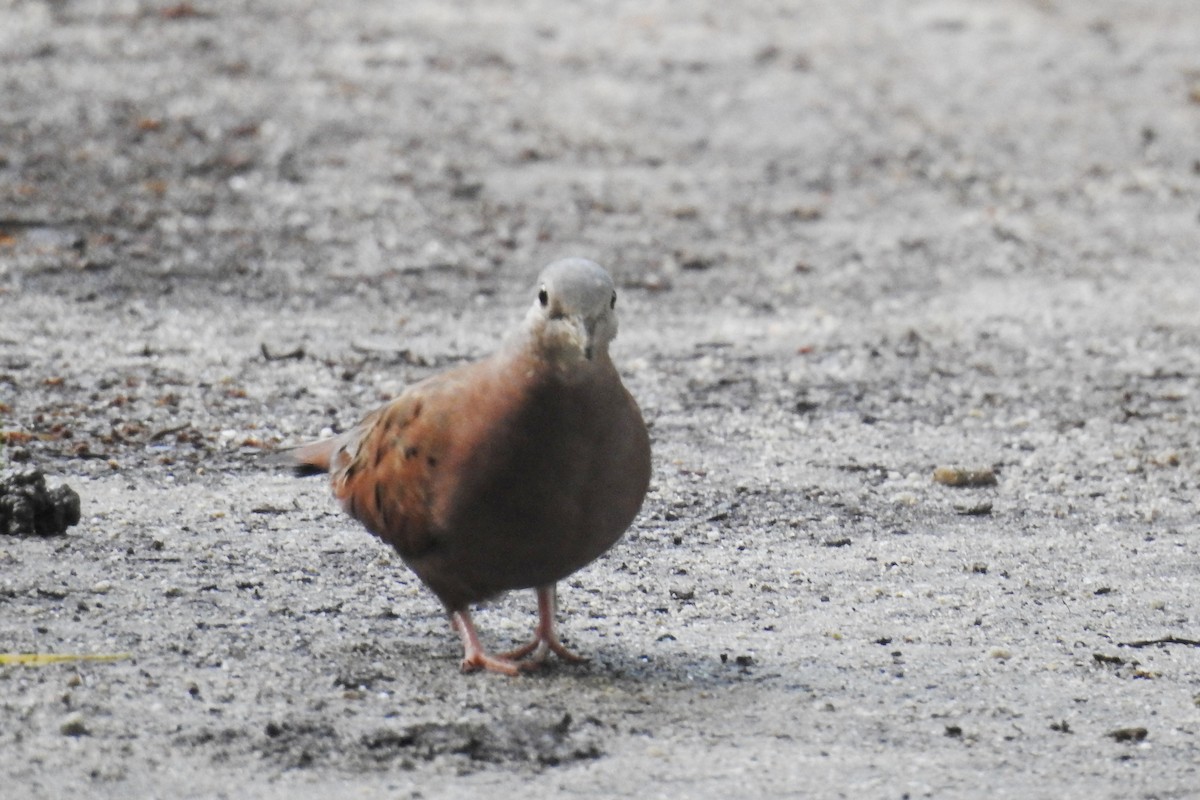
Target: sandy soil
{"points": [[856, 241]]}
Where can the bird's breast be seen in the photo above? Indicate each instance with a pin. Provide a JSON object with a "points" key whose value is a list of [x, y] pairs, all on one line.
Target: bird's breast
{"points": [[544, 482]]}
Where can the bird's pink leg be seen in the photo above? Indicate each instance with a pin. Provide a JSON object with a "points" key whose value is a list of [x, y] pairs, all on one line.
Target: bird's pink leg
{"points": [[545, 640], [474, 656]]}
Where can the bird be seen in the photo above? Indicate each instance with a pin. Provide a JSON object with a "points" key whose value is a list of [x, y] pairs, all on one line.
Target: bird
{"points": [[507, 473]]}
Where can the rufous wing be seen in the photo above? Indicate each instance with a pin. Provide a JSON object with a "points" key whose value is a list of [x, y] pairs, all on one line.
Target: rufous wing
{"points": [[383, 475]]}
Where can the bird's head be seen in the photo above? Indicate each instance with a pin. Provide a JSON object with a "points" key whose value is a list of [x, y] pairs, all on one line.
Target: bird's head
{"points": [[573, 316]]}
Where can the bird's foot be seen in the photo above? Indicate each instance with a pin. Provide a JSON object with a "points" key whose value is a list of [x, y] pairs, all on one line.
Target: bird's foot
{"points": [[475, 658], [530, 656], [473, 662], [539, 649], [545, 640]]}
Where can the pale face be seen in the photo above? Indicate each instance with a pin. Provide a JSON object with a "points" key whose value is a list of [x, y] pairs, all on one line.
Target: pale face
{"points": [[574, 310]]}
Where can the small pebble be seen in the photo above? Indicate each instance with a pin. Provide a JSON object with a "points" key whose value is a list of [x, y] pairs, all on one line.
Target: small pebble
{"points": [[1128, 734], [961, 477], [74, 725]]}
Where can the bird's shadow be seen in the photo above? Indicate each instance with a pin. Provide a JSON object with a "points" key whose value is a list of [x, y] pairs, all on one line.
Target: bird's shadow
{"points": [[616, 665], [611, 664]]}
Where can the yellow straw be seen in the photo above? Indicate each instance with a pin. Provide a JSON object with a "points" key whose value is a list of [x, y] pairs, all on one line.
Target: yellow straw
{"points": [[42, 659]]}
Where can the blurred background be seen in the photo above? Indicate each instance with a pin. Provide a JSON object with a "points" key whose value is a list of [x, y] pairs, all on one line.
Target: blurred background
{"points": [[783, 149]]}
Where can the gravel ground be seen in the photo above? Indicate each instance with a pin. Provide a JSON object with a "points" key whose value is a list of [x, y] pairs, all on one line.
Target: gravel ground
{"points": [[856, 242]]}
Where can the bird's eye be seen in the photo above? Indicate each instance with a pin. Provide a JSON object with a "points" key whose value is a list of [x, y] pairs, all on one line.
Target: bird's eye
{"points": [[613, 303], [543, 297]]}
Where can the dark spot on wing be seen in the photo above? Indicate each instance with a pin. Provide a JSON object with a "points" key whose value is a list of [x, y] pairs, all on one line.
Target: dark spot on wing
{"points": [[382, 450]]}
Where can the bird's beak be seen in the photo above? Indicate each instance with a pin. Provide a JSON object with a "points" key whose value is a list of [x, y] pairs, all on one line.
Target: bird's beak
{"points": [[589, 335]]}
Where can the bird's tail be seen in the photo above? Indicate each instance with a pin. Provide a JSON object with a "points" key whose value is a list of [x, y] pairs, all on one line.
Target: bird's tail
{"points": [[313, 458]]}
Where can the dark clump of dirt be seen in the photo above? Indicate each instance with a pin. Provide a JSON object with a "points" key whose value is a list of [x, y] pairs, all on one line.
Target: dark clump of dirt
{"points": [[28, 508], [541, 744], [299, 745], [537, 744]]}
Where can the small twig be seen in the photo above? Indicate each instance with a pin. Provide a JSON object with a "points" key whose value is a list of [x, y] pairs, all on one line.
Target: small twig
{"points": [[89, 454], [404, 354], [269, 356], [154, 437], [1163, 640], [14, 223]]}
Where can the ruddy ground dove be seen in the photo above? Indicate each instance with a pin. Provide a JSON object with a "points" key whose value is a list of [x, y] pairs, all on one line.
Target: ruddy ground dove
{"points": [[508, 473]]}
